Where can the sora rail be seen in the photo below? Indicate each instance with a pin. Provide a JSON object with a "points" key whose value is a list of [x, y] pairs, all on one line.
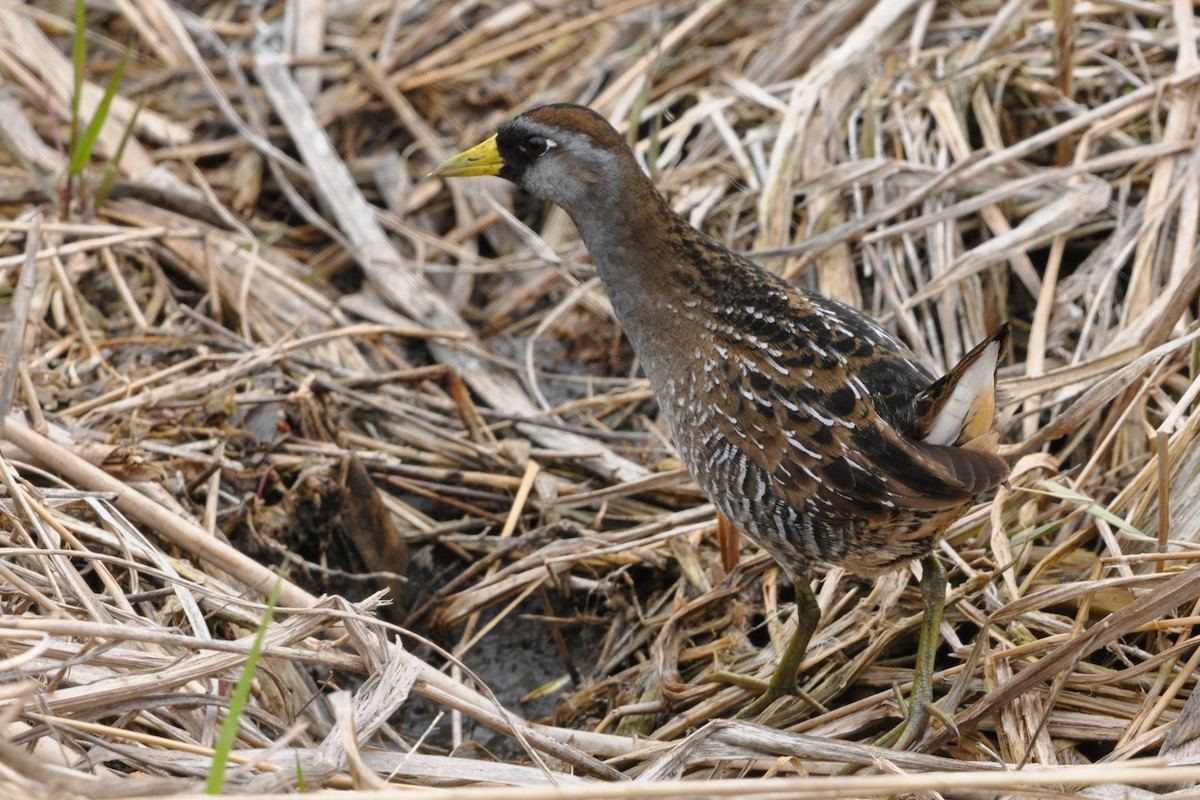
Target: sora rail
{"points": [[809, 427]]}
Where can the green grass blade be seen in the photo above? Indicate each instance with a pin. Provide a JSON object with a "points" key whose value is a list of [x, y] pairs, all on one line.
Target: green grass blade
{"points": [[241, 694], [78, 60], [1087, 504], [81, 152], [110, 172]]}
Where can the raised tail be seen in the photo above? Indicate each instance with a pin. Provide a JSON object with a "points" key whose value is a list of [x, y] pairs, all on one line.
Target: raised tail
{"points": [[960, 408]]}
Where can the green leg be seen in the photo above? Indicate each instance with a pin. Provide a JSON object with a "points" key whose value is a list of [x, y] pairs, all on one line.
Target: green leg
{"points": [[933, 594], [787, 671]]}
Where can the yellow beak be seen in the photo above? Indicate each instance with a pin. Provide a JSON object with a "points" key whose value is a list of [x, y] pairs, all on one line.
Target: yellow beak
{"points": [[482, 159]]}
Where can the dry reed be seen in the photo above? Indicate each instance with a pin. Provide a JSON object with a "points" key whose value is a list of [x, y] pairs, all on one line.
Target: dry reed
{"points": [[276, 340]]}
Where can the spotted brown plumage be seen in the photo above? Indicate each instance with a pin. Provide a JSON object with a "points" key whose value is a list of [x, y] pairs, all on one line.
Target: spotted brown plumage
{"points": [[808, 426]]}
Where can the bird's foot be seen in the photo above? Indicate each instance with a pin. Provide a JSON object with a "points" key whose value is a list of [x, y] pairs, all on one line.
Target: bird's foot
{"points": [[756, 685], [784, 679], [772, 693], [768, 692], [916, 719], [920, 706]]}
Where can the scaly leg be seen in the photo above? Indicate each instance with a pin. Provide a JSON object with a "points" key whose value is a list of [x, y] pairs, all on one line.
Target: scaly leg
{"points": [[933, 595], [787, 670]]}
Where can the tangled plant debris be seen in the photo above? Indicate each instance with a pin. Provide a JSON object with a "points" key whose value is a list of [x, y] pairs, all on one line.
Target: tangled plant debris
{"points": [[272, 339]]}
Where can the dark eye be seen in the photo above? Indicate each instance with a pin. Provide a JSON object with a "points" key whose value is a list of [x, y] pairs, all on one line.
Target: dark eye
{"points": [[536, 145]]}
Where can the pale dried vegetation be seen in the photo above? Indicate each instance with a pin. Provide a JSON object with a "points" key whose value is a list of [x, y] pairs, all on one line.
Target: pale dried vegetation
{"points": [[274, 339]]}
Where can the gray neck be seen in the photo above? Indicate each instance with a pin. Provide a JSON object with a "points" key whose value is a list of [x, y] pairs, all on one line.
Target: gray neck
{"points": [[628, 241], [631, 246]]}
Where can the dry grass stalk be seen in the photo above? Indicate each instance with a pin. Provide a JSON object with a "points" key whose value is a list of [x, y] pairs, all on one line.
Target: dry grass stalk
{"points": [[274, 300]]}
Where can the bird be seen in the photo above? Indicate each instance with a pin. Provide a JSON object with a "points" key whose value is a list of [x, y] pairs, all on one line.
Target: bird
{"points": [[808, 426]]}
